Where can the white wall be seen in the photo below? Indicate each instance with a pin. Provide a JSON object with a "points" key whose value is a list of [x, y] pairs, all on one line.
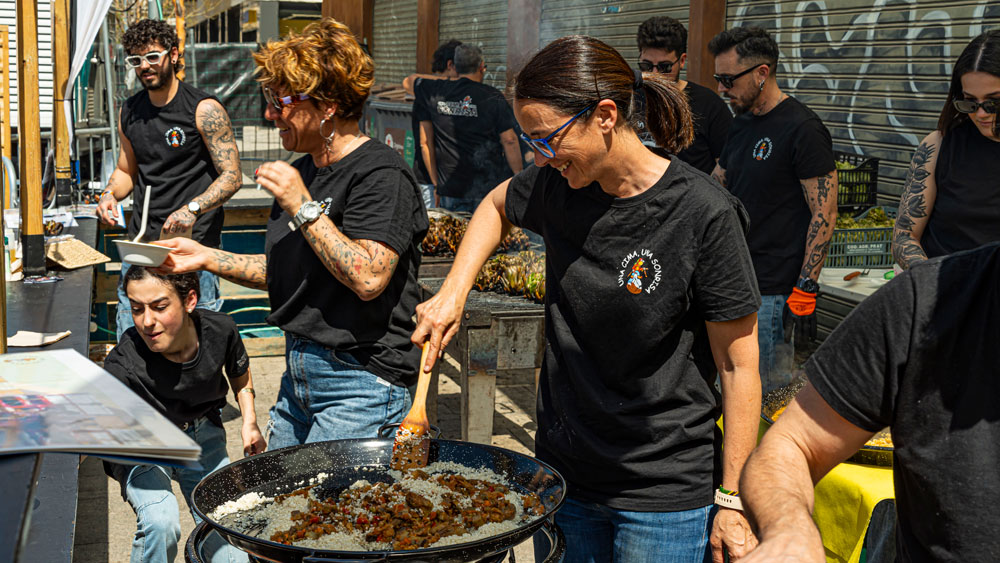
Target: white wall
{"points": [[8, 17]]}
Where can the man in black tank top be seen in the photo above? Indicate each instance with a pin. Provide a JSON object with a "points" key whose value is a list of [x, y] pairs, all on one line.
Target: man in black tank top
{"points": [[177, 140]]}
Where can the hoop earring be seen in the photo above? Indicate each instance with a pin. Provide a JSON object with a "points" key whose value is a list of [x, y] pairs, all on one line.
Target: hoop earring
{"points": [[327, 138]]}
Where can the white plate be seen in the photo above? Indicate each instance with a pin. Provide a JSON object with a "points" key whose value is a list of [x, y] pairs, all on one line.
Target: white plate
{"points": [[141, 253]]}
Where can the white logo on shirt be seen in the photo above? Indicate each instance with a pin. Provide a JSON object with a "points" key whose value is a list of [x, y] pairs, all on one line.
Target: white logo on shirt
{"points": [[635, 270], [762, 149], [175, 137], [465, 108]]}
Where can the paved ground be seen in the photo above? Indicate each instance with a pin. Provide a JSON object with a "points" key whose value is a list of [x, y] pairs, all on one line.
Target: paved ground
{"points": [[105, 522]]}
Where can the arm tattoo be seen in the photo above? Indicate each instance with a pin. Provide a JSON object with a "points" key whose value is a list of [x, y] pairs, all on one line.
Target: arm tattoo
{"points": [[217, 131], [720, 177], [912, 205], [248, 270], [823, 203], [365, 266]]}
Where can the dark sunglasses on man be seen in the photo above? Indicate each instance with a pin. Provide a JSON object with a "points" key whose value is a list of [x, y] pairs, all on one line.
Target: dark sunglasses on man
{"points": [[153, 58], [728, 79], [970, 106], [662, 66]]}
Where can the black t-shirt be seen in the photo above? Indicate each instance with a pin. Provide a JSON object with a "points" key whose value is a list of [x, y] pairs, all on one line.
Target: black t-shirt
{"points": [[173, 160], [914, 357], [419, 170], [765, 159], [468, 118], [966, 210], [626, 401], [183, 392], [712, 119], [369, 194]]}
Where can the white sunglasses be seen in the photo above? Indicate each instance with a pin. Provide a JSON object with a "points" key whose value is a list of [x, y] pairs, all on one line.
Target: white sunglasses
{"points": [[153, 58]]}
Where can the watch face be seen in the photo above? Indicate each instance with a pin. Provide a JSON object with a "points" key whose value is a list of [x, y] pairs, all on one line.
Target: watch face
{"points": [[311, 210], [194, 207]]}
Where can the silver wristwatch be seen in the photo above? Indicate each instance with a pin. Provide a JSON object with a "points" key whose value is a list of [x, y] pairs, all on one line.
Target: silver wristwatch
{"points": [[194, 208], [309, 212]]}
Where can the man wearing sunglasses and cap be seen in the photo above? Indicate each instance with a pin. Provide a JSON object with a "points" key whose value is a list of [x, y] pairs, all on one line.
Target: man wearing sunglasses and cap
{"points": [[663, 49], [178, 141], [779, 162]]}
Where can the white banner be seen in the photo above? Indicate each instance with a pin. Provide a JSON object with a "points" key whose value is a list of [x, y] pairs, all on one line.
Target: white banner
{"points": [[87, 18]]}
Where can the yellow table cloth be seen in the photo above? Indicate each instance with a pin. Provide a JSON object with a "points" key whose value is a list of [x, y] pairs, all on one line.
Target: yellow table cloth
{"points": [[845, 499]]}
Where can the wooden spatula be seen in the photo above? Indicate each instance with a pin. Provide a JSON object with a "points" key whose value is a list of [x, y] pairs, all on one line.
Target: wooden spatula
{"points": [[413, 438]]}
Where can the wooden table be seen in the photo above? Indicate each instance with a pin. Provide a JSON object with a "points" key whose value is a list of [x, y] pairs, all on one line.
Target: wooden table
{"points": [[38, 511], [499, 333]]}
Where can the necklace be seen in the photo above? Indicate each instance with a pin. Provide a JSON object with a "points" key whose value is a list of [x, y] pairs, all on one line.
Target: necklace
{"points": [[343, 151]]}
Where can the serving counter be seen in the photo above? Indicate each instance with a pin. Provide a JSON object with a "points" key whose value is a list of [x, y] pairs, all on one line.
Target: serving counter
{"points": [[38, 512]]}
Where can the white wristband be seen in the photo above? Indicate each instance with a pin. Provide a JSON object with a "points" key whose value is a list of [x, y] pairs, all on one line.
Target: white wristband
{"points": [[728, 501]]}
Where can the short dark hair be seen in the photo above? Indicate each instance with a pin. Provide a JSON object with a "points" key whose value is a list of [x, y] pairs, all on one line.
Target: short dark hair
{"points": [[444, 53], [146, 32], [753, 45], [982, 54], [182, 283], [467, 58], [663, 32]]}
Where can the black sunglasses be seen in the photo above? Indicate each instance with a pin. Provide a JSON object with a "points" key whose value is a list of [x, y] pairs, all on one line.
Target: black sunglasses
{"points": [[969, 106], [662, 66], [727, 79]]}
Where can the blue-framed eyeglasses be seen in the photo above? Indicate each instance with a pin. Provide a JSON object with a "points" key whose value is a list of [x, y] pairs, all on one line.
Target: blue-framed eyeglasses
{"points": [[542, 145]]}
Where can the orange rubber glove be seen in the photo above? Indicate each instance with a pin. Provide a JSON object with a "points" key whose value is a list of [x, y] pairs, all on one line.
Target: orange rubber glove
{"points": [[800, 315]]}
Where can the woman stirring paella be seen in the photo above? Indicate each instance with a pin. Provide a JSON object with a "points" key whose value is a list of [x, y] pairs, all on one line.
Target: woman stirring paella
{"points": [[650, 293]]}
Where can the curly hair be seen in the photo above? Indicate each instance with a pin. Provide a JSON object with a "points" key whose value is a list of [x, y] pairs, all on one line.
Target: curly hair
{"points": [[147, 32], [663, 32], [325, 61], [182, 283], [444, 53], [753, 46]]}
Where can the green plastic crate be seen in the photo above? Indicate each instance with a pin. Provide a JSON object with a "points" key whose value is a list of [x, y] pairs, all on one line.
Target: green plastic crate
{"points": [[869, 247], [857, 186]]}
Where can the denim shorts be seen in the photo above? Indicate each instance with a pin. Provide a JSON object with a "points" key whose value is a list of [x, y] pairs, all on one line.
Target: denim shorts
{"points": [[598, 534], [209, 298], [327, 395]]}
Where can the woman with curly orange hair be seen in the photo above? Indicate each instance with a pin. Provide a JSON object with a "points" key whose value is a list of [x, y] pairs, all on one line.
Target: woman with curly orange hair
{"points": [[341, 258]]}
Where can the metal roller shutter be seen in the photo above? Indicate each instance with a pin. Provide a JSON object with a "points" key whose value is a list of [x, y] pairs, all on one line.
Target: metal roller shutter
{"points": [[395, 40], [876, 73], [482, 23], [614, 22], [8, 17]]}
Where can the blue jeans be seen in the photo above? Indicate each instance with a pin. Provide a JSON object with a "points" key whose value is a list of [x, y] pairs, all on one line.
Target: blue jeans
{"points": [[598, 534], [209, 298], [148, 490], [460, 203], [776, 356], [327, 395]]}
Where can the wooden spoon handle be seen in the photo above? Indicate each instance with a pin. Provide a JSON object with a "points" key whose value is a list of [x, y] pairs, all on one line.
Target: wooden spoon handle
{"points": [[423, 384]]}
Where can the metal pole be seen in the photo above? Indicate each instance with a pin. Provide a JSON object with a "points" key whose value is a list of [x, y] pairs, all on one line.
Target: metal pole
{"points": [[109, 88]]}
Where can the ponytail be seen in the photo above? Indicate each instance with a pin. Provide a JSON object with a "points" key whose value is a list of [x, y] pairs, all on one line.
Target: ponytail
{"points": [[668, 113], [573, 72]]}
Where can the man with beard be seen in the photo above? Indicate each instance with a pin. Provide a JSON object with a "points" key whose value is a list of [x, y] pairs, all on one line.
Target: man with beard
{"points": [[779, 162], [177, 141], [663, 48]]}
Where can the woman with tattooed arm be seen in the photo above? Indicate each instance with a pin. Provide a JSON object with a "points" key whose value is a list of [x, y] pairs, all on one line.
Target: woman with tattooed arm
{"points": [[950, 198], [341, 254]]}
